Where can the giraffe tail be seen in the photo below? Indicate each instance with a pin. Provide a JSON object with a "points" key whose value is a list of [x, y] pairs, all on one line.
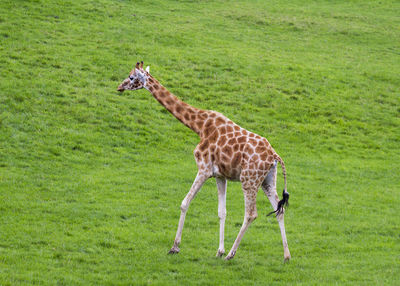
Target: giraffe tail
{"points": [[285, 195]]}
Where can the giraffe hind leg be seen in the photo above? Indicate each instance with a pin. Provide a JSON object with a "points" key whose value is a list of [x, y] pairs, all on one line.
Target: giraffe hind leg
{"points": [[250, 193], [269, 188]]}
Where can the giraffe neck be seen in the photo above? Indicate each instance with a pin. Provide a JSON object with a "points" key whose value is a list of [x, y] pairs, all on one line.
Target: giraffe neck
{"points": [[190, 116]]}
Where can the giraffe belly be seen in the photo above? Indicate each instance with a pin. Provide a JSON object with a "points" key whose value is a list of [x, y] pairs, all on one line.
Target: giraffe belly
{"points": [[222, 170]]}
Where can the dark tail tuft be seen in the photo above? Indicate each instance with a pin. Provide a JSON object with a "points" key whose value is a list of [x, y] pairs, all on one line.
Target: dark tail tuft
{"points": [[284, 202]]}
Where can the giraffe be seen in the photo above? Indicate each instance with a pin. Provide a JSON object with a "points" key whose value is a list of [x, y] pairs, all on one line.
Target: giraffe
{"points": [[227, 152]]}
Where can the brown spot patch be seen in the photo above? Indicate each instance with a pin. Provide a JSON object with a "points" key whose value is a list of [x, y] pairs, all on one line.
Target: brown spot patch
{"points": [[260, 149], [208, 130], [178, 109], [227, 150], [219, 121], [266, 165], [236, 159], [187, 116], [209, 122], [237, 128], [212, 148], [222, 130], [193, 117], [241, 139], [199, 124], [189, 109], [213, 115], [203, 115], [203, 146], [217, 153], [169, 102], [244, 132], [253, 141], [156, 87], [222, 140], [232, 141], [270, 158], [270, 152], [225, 158], [236, 147], [229, 129], [251, 135], [214, 136], [263, 156]]}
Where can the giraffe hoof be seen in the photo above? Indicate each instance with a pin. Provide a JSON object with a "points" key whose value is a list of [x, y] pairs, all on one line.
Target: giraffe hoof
{"points": [[220, 253], [230, 256], [286, 259], [174, 250]]}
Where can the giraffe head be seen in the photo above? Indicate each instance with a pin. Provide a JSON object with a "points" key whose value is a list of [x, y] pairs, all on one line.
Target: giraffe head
{"points": [[137, 78]]}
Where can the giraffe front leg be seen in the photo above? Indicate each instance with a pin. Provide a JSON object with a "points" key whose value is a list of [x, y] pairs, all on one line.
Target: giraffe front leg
{"points": [[197, 184], [249, 216], [221, 185]]}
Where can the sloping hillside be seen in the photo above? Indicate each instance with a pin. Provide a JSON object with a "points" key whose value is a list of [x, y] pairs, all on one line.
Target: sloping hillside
{"points": [[91, 180]]}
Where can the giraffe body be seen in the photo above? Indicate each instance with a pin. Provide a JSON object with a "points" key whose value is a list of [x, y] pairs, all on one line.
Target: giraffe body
{"points": [[231, 151], [227, 152]]}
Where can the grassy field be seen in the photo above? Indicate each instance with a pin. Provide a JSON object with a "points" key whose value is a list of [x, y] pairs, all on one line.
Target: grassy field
{"points": [[91, 181]]}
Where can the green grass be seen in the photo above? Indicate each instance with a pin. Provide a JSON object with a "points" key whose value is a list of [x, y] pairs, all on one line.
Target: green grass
{"points": [[91, 181]]}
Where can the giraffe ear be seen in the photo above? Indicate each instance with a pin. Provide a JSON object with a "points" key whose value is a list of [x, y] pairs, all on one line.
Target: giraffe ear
{"points": [[148, 69]]}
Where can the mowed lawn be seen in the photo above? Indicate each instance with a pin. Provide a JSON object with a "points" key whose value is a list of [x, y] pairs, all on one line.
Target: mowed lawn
{"points": [[91, 181]]}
